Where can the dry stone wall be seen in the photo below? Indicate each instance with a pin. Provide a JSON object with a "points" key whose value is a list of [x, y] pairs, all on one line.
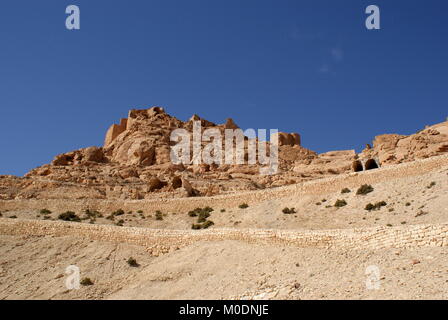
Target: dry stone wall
{"points": [[163, 241], [180, 205]]}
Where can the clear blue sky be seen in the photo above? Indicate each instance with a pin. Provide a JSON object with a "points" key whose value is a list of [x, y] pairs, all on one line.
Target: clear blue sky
{"points": [[306, 66]]}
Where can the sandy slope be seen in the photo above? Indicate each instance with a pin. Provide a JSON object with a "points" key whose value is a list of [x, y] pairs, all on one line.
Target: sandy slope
{"points": [[33, 267], [406, 197]]}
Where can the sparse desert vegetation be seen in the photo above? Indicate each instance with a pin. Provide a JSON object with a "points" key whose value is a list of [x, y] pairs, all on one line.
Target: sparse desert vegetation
{"points": [[132, 262], [69, 216], [86, 282], [289, 210], [159, 215], [364, 189], [345, 190], [340, 203], [376, 206]]}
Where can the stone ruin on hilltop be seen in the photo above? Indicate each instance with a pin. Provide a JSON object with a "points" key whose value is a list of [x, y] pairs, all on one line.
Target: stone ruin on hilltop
{"points": [[135, 163]]}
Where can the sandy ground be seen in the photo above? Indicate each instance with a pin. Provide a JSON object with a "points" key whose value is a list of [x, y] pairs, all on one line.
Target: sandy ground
{"points": [[34, 267], [410, 200]]}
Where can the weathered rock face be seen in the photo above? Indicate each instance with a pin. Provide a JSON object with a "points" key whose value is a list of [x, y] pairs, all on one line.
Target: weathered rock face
{"points": [[288, 139], [394, 148], [82, 156], [135, 163], [114, 131]]}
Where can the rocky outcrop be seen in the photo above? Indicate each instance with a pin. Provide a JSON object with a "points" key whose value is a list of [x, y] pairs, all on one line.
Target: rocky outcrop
{"points": [[114, 131], [82, 156], [288, 139], [135, 163], [394, 148]]}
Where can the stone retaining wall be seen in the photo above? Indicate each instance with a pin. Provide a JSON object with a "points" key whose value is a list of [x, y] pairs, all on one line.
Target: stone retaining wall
{"points": [[179, 205], [163, 241]]}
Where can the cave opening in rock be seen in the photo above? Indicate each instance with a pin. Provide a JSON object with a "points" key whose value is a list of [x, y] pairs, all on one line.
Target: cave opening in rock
{"points": [[371, 164], [357, 166]]}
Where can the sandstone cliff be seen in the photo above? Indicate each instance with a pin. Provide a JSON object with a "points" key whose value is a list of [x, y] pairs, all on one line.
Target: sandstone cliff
{"points": [[135, 163]]}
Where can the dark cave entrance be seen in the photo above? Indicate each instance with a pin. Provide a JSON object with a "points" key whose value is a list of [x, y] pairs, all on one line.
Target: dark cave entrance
{"points": [[357, 166], [371, 164]]}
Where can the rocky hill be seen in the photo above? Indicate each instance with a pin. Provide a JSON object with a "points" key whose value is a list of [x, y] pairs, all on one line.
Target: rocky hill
{"points": [[135, 163], [141, 227]]}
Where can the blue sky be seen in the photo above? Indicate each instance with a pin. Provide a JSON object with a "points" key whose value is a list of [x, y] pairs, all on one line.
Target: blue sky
{"points": [[300, 66]]}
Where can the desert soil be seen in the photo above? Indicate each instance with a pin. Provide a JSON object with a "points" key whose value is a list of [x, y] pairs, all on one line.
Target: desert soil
{"points": [[33, 267]]}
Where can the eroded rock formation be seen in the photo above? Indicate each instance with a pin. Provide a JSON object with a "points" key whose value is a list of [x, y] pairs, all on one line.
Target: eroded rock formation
{"points": [[135, 163]]}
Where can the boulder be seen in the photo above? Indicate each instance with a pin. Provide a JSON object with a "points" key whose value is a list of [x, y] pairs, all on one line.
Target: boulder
{"points": [[93, 154], [176, 182], [155, 184], [190, 191]]}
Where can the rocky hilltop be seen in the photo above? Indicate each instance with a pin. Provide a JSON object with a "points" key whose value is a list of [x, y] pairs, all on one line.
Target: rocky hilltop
{"points": [[134, 163]]}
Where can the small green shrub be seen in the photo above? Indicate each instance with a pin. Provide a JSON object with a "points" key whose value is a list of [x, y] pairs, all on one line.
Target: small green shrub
{"points": [[13, 217], [192, 214], [340, 203], [407, 204], [69, 216], [120, 223], [243, 206], [159, 215], [432, 184], [119, 212], [140, 211], [376, 206], [364, 189], [86, 282], [92, 214], [289, 210], [200, 212], [207, 224], [195, 212], [345, 190], [223, 210], [202, 217], [132, 262], [45, 211]]}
